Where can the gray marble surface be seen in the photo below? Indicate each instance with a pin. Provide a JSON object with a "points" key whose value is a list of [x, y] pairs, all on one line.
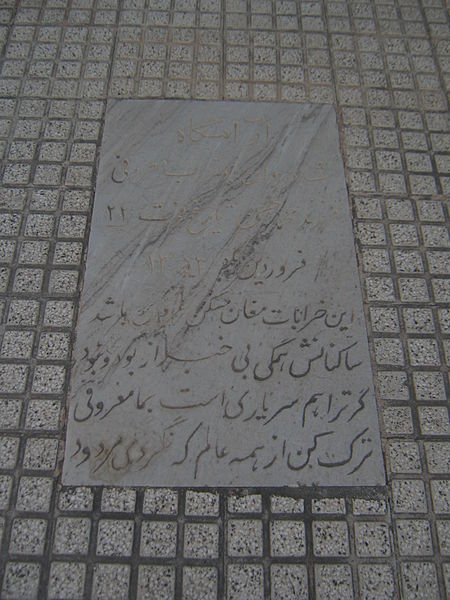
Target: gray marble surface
{"points": [[221, 339]]}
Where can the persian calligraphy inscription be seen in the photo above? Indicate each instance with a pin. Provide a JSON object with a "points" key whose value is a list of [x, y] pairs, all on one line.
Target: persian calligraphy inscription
{"points": [[221, 339]]}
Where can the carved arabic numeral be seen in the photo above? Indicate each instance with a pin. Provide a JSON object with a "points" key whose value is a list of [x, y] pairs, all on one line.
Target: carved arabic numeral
{"points": [[120, 172], [198, 261], [87, 453], [77, 450], [150, 263], [161, 262], [186, 268], [221, 453], [101, 449]]}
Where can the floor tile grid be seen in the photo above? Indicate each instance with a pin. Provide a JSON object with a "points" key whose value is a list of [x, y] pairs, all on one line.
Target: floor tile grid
{"points": [[437, 19], [411, 426], [436, 586], [29, 391], [435, 548], [239, 80], [383, 155], [429, 576], [439, 82]]}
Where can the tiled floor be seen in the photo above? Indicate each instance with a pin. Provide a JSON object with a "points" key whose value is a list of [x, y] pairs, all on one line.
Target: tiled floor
{"points": [[386, 65]]}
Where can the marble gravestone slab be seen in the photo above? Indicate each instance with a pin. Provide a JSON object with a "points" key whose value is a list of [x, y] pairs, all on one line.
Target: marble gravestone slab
{"points": [[221, 339]]}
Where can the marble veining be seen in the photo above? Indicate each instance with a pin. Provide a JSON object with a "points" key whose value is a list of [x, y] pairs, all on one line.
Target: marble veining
{"points": [[221, 339]]}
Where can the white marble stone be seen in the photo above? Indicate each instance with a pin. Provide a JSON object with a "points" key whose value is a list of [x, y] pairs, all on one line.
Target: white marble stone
{"points": [[221, 339]]}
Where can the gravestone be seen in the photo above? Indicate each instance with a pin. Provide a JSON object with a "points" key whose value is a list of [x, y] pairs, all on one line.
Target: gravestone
{"points": [[221, 339]]}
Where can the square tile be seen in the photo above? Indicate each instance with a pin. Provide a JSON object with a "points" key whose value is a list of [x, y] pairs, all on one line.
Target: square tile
{"points": [[76, 499], [199, 583], [111, 581], [388, 351], [437, 456], [443, 531], [58, 313], [28, 280], [404, 457], [330, 538], [384, 319], [72, 535], [66, 580], [423, 351], [17, 344], [5, 491], [48, 379], [158, 538], [408, 261], [53, 345], [285, 504], [414, 537], [201, 503], [8, 451], [333, 582], [372, 539], [201, 540], [440, 494], [361, 506], [245, 537], [245, 580], [418, 320], [419, 580], [328, 506], [289, 581], [434, 420], [35, 252], [247, 503], [156, 582], [162, 501], [21, 580], [413, 289], [376, 581], [287, 538], [10, 411], [118, 500], [34, 494], [43, 415], [409, 496], [115, 538], [28, 536], [429, 386]]}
